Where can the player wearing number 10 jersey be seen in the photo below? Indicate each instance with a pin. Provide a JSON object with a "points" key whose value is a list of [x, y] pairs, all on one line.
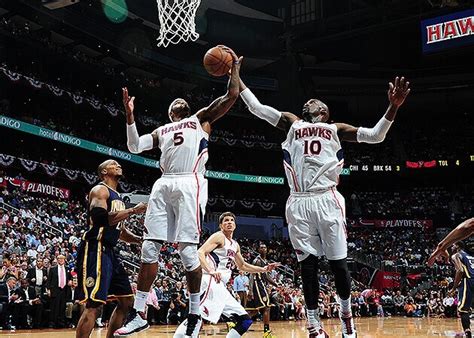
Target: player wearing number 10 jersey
{"points": [[315, 210], [178, 198]]}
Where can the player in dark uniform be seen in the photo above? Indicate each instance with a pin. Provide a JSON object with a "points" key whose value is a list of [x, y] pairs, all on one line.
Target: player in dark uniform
{"points": [[101, 276], [259, 299], [464, 262]]}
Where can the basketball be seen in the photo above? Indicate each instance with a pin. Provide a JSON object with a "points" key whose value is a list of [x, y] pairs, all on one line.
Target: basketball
{"points": [[217, 61]]}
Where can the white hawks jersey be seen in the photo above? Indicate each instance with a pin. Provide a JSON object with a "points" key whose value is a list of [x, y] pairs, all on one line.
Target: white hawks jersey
{"points": [[183, 146], [312, 156], [223, 259]]}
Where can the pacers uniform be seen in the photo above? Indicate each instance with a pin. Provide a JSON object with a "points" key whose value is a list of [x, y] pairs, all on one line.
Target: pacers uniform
{"points": [[261, 298], [466, 289], [101, 275], [178, 198], [315, 210]]}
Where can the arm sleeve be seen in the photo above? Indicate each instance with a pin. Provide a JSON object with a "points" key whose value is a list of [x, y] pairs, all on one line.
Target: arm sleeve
{"points": [[135, 143], [99, 217], [264, 112], [376, 134]]}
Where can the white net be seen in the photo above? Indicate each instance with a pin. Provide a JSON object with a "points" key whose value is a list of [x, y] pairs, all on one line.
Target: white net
{"points": [[177, 21]]}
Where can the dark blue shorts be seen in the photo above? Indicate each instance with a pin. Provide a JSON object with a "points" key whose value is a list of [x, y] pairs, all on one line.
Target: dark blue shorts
{"points": [[101, 275], [261, 299], [465, 295]]}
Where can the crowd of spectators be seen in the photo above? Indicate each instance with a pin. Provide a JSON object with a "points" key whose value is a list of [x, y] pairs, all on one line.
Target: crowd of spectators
{"points": [[430, 202], [41, 235], [101, 82], [399, 247], [31, 243]]}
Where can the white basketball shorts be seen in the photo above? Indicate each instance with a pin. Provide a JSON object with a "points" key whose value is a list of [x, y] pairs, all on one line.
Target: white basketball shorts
{"points": [[216, 300], [317, 224], [176, 208]]}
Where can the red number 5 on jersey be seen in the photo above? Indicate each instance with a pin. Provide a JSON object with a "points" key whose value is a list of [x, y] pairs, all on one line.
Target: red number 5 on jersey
{"points": [[178, 138]]}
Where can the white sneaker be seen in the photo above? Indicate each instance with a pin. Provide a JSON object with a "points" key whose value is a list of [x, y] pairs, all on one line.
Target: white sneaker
{"points": [[316, 330], [348, 327], [135, 323]]}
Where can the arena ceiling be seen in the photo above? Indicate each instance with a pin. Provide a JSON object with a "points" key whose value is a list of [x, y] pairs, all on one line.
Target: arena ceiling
{"points": [[349, 36]]}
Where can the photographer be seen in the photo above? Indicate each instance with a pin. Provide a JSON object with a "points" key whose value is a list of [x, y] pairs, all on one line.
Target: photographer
{"points": [[176, 310]]}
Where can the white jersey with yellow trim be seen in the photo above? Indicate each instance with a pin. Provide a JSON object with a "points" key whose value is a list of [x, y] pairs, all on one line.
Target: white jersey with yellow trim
{"points": [[223, 259], [183, 146], [312, 156]]}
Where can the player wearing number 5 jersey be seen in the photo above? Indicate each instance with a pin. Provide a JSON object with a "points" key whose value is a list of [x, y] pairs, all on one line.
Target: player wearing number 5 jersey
{"points": [[178, 198], [315, 210]]}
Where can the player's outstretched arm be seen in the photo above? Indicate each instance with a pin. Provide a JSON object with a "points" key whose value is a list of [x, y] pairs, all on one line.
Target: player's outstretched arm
{"points": [[397, 93], [242, 265], [281, 120], [215, 241], [221, 105], [129, 237], [98, 208], [462, 231], [136, 143]]}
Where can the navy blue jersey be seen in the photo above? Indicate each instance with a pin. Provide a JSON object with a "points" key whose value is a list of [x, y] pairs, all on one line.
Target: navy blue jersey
{"points": [[107, 234], [467, 261]]}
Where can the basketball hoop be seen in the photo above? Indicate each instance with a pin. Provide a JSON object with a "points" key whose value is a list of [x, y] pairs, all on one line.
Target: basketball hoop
{"points": [[177, 21]]}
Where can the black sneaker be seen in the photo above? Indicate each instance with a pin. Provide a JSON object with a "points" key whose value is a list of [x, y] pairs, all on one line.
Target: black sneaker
{"points": [[193, 325]]}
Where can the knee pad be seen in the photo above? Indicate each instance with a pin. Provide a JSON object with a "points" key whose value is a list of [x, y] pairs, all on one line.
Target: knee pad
{"points": [[189, 256], [243, 324], [150, 251], [309, 267], [342, 277], [309, 274]]}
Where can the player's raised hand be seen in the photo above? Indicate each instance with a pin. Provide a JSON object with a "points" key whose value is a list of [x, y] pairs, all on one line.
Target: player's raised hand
{"points": [[272, 266], [217, 276], [398, 91], [438, 254], [236, 61], [127, 101]]}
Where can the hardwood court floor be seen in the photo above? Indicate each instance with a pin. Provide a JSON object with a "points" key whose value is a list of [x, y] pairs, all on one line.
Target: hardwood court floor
{"points": [[367, 327]]}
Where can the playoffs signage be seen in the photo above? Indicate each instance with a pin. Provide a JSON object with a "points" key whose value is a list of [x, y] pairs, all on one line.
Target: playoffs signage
{"points": [[392, 223], [447, 31], [46, 189]]}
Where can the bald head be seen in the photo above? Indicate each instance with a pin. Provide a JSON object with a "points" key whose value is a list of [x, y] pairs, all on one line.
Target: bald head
{"points": [[109, 168], [315, 111]]}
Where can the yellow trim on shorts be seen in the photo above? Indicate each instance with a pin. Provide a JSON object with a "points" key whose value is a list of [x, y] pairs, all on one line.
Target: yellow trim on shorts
{"points": [[119, 296], [98, 272], [255, 308], [84, 273], [99, 235], [463, 297], [265, 304], [466, 271]]}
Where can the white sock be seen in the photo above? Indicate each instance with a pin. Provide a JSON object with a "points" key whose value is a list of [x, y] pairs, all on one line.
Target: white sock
{"points": [[194, 300], [313, 317], [233, 334], [140, 301], [345, 305]]}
